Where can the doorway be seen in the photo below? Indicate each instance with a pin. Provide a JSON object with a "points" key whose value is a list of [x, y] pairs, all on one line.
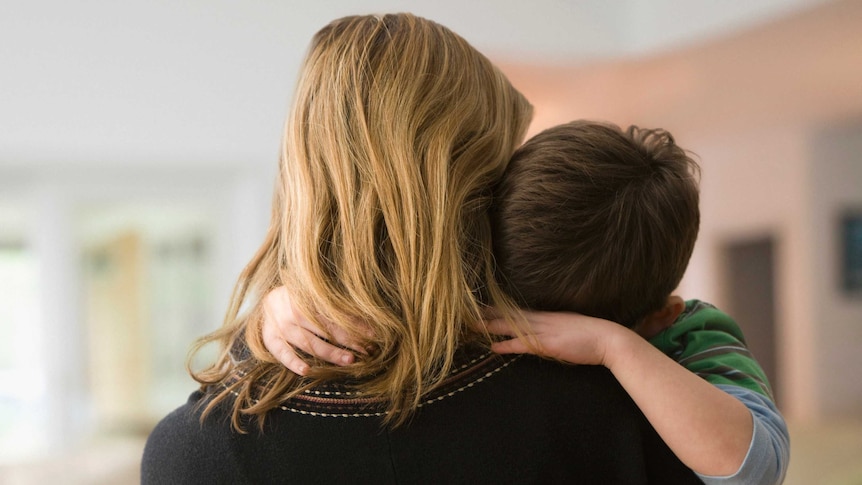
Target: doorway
{"points": [[749, 287]]}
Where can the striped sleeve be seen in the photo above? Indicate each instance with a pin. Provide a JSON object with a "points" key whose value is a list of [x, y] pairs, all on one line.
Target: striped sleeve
{"points": [[709, 343]]}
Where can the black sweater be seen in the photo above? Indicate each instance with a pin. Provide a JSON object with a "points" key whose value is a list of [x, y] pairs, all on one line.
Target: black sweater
{"points": [[497, 420]]}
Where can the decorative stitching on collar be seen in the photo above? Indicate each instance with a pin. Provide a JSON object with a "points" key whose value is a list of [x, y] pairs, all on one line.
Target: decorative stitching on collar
{"points": [[433, 400]]}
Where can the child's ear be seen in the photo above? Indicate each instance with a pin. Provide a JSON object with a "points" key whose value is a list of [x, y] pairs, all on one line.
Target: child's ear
{"points": [[655, 322]]}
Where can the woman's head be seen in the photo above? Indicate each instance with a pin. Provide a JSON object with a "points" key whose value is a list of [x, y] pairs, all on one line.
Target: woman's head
{"points": [[398, 131]]}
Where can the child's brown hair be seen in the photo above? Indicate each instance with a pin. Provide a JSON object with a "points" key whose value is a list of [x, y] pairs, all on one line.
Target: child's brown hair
{"points": [[593, 219]]}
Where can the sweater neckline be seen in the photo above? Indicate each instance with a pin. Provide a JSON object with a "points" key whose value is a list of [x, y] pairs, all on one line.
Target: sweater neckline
{"points": [[337, 400]]}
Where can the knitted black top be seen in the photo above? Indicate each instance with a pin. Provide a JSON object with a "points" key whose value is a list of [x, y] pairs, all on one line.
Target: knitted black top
{"points": [[496, 420]]}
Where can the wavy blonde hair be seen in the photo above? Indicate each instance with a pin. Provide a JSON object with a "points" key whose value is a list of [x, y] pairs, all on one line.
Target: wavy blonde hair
{"points": [[398, 132]]}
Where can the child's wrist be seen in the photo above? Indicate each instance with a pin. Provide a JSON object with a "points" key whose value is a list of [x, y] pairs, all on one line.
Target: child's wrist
{"points": [[623, 342]]}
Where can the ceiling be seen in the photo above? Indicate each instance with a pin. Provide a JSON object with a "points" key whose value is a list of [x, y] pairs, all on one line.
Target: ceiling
{"points": [[201, 82]]}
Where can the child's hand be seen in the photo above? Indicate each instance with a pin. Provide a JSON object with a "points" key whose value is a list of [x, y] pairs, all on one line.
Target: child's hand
{"points": [[570, 337], [285, 328]]}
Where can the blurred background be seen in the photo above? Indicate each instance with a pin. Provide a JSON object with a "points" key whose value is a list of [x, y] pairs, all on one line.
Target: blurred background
{"points": [[139, 140]]}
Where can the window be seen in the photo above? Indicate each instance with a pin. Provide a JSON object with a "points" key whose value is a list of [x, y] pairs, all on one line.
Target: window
{"points": [[22, 377]]}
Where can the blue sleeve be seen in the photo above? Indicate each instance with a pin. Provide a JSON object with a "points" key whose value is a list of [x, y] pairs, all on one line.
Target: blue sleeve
{"points": [[769, 452]]}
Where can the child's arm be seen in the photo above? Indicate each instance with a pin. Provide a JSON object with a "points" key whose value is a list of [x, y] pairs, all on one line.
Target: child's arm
{"points": [[579, 339], [769, 453], [711, 345], [709, 430]]}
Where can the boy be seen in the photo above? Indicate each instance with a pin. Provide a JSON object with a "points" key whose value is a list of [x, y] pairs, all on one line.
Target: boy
{"points": [[600, 222], [594, 220]]}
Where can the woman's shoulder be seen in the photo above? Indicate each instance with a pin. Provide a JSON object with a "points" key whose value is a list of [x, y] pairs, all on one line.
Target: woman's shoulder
{"points": [[183, 448]]}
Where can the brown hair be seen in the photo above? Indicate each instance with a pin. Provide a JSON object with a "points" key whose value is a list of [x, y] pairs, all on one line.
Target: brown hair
{"points": [[595, 220], [398, 132]]}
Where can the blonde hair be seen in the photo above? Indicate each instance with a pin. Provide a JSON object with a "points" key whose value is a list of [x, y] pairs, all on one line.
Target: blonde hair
{"points": [[398, 132]]}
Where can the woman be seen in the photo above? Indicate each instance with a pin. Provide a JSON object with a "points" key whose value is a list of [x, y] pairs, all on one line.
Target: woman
{"points": [[398, 131]]}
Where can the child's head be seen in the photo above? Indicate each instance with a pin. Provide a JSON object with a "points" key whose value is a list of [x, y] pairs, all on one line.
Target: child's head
{"points": [[596, 220]]}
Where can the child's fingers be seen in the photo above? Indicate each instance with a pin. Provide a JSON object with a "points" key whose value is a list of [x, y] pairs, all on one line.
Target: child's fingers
{"points": [[289, 359], [511, 346], [283, 321], [490, 313], [282, 351], [286, 356], [499, 327], [281, 341], [328, 352], [312, 344], [341, 337], [320, 337]]}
